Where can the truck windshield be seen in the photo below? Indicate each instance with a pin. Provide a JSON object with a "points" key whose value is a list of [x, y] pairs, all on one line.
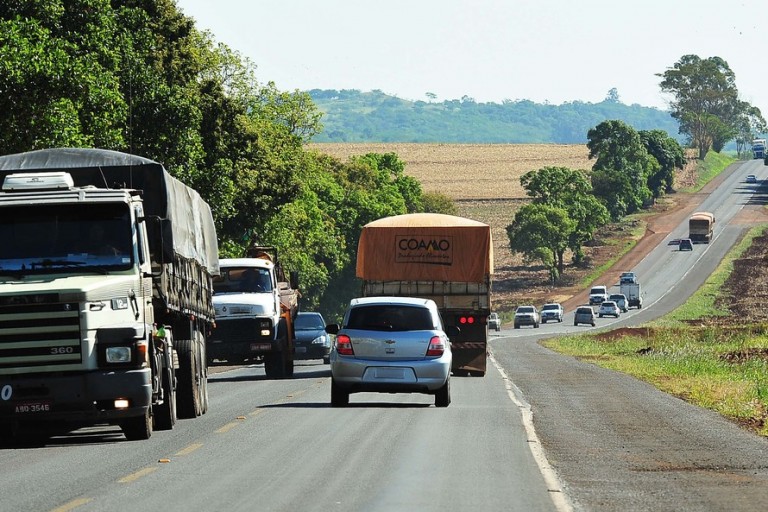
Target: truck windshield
{"points": [[243, 280], [65, 238]]}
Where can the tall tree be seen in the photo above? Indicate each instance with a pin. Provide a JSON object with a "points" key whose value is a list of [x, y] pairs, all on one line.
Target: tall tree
{"points": [[706, 101], [542, 232], [669, 154], [622, 167]]}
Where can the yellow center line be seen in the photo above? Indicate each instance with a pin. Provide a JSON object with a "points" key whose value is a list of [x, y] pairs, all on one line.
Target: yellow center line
{"points": [[189, 449], [135, 476], [227, 427], [72, 505]]}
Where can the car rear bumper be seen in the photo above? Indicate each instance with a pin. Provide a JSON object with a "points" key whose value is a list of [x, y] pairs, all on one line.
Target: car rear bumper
{"points": [[422, 376]]}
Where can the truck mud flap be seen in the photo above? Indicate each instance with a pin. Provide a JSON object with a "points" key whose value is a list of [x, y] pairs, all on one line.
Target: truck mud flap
{"points": [[469, 358]]}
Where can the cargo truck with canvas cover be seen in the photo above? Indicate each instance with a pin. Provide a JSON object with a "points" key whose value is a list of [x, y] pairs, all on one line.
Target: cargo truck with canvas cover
{"points": [[445, 258], [701, 226], [105, 292]]}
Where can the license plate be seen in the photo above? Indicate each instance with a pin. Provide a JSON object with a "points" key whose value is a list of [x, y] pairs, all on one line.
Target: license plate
{"points": [[301, 350], [260, 347], [32, 407], [389, 373]]}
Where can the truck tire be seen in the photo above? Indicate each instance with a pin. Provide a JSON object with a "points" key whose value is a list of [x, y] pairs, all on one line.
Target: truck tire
{"points": [[339, 396], [165, 413], [443, 395], [274, 365], [138, 428], [203, 374], [188, 388]]}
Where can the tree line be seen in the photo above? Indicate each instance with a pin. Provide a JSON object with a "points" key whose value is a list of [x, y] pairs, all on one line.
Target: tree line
{"points": [[138, 76]]}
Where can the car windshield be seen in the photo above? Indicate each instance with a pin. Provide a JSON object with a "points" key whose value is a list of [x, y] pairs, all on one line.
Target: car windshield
{"points": [[390, 317], [597, 290], [525, 309], [550, 307], [309, 322], [584, 311]]}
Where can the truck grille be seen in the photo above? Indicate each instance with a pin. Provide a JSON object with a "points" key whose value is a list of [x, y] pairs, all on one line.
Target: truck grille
{"points": [[242, 330], [38, 331]]}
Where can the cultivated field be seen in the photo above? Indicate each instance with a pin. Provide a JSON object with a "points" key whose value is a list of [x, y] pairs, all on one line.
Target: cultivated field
{"points": [[484, 180]]}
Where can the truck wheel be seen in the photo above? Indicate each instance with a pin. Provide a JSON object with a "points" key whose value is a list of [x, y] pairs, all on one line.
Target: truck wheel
{"points": [[203, 374], [138, 427], [165, 413], [274, 366], [339, 396], [443, 395], [188, 388]]}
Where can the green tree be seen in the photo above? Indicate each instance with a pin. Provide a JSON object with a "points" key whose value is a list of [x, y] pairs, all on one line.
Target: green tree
{"points": [[541, 232], [669, 154], [571, 190], [622, 167], [706, 101]]}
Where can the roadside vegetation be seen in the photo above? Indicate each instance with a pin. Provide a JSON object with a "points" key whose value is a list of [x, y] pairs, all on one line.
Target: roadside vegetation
{"points": [[703, 352]]}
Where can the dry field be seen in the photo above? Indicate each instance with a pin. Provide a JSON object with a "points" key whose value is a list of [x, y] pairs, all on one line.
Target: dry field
{"points": [[484, 180]]}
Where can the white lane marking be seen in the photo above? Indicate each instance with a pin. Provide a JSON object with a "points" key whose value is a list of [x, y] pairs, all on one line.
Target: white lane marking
{"points": [[559, 499]]}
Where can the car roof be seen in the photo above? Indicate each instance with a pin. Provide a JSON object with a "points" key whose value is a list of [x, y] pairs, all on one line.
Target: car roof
{"points": [[403, 301], [309, 313], [608, 303]]}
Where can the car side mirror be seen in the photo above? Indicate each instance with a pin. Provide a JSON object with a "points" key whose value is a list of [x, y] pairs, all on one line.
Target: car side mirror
{"points": [[332, 328]]}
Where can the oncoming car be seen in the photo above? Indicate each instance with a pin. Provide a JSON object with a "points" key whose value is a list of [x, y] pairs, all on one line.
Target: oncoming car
{"points": [[551, 311], [494, 322], [312, 342], [526, 315], [391, 345]]}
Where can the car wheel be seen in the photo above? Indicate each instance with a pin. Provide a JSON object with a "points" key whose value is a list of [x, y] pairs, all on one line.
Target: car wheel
{"points": [[339, 396], [575, 323], [443, 395], [536, 325], [517, 326], [601, 316], [593, 324]]}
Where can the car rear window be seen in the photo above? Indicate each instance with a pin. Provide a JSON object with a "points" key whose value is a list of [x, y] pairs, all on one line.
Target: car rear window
{"points": [[584, 311], [390, 318]]}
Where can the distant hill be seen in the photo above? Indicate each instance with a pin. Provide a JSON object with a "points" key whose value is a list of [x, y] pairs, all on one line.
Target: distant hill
{"points": [[355, 116]]}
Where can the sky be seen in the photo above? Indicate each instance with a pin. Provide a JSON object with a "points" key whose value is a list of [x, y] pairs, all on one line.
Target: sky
{"points": [[551, 51]]}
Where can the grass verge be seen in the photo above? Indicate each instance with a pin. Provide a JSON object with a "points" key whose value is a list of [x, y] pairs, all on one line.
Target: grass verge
{"points": [[722, 368]]}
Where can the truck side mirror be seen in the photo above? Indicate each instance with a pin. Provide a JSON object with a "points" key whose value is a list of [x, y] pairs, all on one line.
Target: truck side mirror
{"points": [[294, 277]]}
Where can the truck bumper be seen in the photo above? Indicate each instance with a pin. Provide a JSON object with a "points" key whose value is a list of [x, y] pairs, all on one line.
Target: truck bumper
{"points": [[239, 340], [84, 398]]}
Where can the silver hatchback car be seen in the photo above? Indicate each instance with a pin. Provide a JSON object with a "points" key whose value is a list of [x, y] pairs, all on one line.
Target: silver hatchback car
{"points": [[390, 345]]}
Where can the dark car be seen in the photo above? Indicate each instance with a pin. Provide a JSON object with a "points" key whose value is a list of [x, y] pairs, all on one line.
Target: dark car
{"points": [[312, 342], [685, 245]]}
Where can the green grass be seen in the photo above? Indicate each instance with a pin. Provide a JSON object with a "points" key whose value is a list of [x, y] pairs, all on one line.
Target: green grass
{"points": [[709, 169], [722, 369]]}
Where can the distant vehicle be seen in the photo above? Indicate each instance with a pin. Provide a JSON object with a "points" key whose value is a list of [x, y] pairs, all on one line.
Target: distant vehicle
{"points": [[609, 308], [312, 342], [494, 322], [391, 345], [633, 294], [584, 315], [701, 226], [751, 178], [526, 315], [685, 244], [758, 148], [621, 300], [551, 311], [627, 277], [598, 294]]}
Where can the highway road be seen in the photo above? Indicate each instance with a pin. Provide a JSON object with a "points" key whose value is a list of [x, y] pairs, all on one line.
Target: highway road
{"points": [[540, 432]]}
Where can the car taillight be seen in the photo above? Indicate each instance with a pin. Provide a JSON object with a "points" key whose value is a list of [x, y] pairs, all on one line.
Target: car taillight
{"points": [[344, 345], [436, 346]]}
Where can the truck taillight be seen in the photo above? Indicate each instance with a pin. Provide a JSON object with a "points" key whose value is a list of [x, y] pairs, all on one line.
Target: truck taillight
{"points": [[344, 345], [436, 346], [464, 320]]}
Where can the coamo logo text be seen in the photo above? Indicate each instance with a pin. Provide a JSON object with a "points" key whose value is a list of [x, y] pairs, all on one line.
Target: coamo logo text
{"points": [[436, 250]]}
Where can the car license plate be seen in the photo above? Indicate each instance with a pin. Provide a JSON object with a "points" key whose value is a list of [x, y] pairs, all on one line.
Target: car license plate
{"points": [[389, 373], [32, 407], [301, 350], [259, 347]]}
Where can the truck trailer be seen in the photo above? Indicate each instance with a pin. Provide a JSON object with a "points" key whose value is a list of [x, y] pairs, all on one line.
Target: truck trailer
{"points": [[445, 258], [701, 227], [105, 292]]}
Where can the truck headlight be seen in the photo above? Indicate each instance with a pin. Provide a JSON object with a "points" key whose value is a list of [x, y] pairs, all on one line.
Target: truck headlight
{"points": [[117, 355]]}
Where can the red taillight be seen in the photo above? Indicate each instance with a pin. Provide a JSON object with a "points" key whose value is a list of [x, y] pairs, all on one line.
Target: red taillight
{"points": [[466, 320], [344, 345], [436, 346]]}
